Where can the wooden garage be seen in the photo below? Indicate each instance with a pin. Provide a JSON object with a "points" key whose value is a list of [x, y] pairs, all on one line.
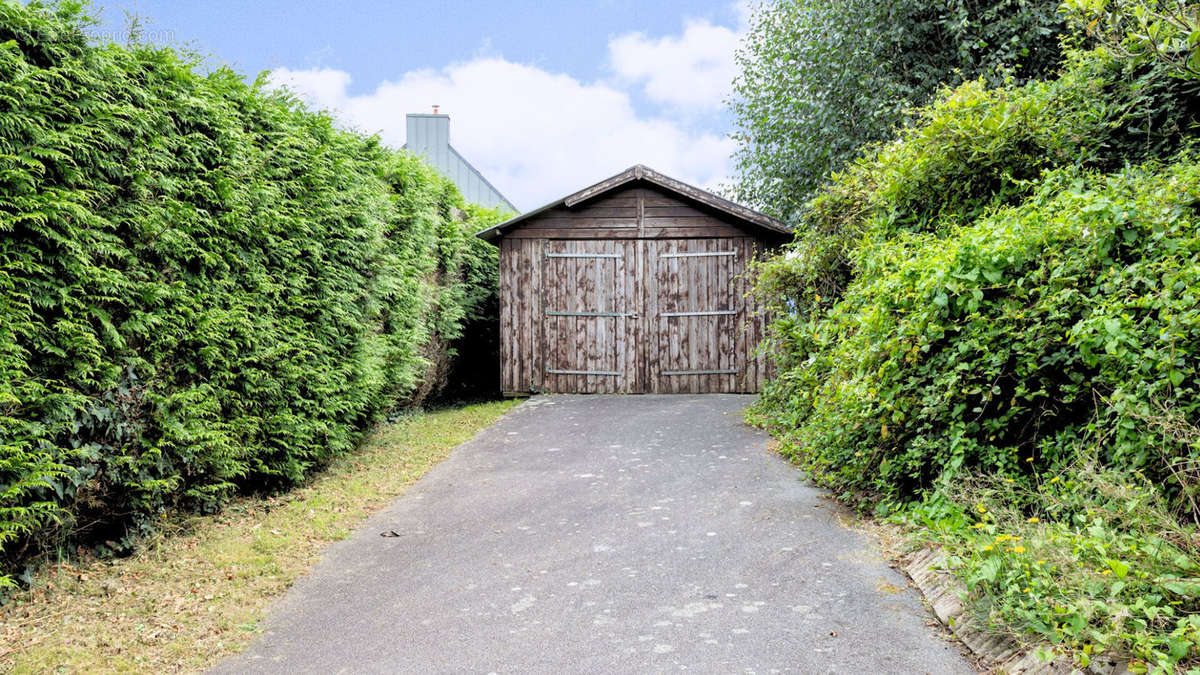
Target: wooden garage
{"points": [[632, 285]]}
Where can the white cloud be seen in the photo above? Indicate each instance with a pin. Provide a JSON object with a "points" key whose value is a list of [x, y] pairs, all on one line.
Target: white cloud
{"points": [[693, 70], [324, 88], [538, 135]]}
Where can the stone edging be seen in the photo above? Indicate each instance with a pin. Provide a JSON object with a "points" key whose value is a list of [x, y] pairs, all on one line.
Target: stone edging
{"points": [[997, 653]]}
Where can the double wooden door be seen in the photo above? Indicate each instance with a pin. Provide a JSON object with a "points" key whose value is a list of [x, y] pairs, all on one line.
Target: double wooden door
{"points": [[647, 315]]}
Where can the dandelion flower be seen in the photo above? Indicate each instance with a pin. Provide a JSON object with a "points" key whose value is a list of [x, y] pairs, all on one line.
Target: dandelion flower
{"points": [[1054, 480], [1034, 519]]}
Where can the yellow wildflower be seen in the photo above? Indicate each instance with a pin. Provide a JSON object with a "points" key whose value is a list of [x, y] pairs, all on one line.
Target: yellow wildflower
{"points": [[1054, 480], [1018, 549], [1034, 519]]}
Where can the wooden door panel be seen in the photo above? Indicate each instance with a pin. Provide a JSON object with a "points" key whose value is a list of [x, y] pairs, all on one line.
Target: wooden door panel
{"points": [[588, 317], [694, 315]]}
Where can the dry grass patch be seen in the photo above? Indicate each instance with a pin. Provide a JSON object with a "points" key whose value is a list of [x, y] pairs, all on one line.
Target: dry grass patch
{"points": [[198, 592]]}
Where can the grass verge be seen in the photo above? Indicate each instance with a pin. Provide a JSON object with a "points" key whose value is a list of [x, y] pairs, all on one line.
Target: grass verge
{"points": [[198, 592], [1088, 561]]}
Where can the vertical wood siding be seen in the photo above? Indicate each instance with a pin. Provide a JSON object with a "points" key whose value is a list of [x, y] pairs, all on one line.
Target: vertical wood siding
{"points": [[636, 293]]}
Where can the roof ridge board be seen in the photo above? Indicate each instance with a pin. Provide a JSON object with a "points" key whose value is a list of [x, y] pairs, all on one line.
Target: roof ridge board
{"points": [[641, 172]]}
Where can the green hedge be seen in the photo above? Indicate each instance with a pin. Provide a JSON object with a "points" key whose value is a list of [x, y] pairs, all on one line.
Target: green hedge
{"points": [[1012, 281], [204, 287]]}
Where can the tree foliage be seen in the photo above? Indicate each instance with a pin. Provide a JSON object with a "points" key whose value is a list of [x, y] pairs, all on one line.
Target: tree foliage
{"points": [[204, 288], [1010, 280], [1166, 31], [989, 327], [820, 80]]}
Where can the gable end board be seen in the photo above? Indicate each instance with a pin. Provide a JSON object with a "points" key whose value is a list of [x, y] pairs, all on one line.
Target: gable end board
{"points": [[751, 221]]}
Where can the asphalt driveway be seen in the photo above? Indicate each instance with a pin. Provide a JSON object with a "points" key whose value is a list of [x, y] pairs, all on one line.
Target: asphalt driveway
{"points": [[588, 534]]}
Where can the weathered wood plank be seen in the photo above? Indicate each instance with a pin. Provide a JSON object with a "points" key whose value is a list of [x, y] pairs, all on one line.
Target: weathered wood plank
{"points": [[507, 333], [590, 348], [582, 222], [677, 211], [673, 301], [690, 328], [714, 227], [726, 360], [648, 334], [706, 333], [535, 375], [745, 330], [616, 200], [656, 228]]}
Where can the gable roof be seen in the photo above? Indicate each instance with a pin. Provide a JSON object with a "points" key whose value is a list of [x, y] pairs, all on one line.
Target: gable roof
{"points": [[429, 136], [747, 218]]}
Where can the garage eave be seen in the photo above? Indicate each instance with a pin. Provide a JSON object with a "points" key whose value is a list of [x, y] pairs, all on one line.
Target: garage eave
{"points": [[748, 218]]}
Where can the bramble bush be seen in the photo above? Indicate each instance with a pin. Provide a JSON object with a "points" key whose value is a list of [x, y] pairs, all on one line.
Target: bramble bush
{"points": [[995, 284], [1001, 345], [1010, 286], [204, 288]]}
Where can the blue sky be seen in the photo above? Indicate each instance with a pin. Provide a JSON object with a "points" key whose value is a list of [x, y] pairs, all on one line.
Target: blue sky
{"points": [[544, 97]]}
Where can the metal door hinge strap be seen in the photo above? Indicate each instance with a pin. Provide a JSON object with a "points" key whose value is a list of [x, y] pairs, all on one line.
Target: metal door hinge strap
{"points": [[555, 371], [618, 314], [715, 312], [584, 255], [730, 371], [704, 254]]}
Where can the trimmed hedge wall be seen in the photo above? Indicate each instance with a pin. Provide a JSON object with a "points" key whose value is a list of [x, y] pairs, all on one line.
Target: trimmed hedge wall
{"points": [[204, 288]]}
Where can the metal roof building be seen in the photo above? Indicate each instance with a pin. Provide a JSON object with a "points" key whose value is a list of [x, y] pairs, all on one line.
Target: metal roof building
{"points": [[428, 135]]}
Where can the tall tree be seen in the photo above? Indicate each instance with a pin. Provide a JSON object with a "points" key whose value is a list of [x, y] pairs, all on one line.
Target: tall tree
{"points": [[822, 78]]}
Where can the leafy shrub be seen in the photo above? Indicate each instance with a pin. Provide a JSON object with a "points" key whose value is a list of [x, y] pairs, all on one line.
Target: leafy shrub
{"points": [[1165, 31], [999, 346], [990, 327], [204, 288], [1090, 560]]}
